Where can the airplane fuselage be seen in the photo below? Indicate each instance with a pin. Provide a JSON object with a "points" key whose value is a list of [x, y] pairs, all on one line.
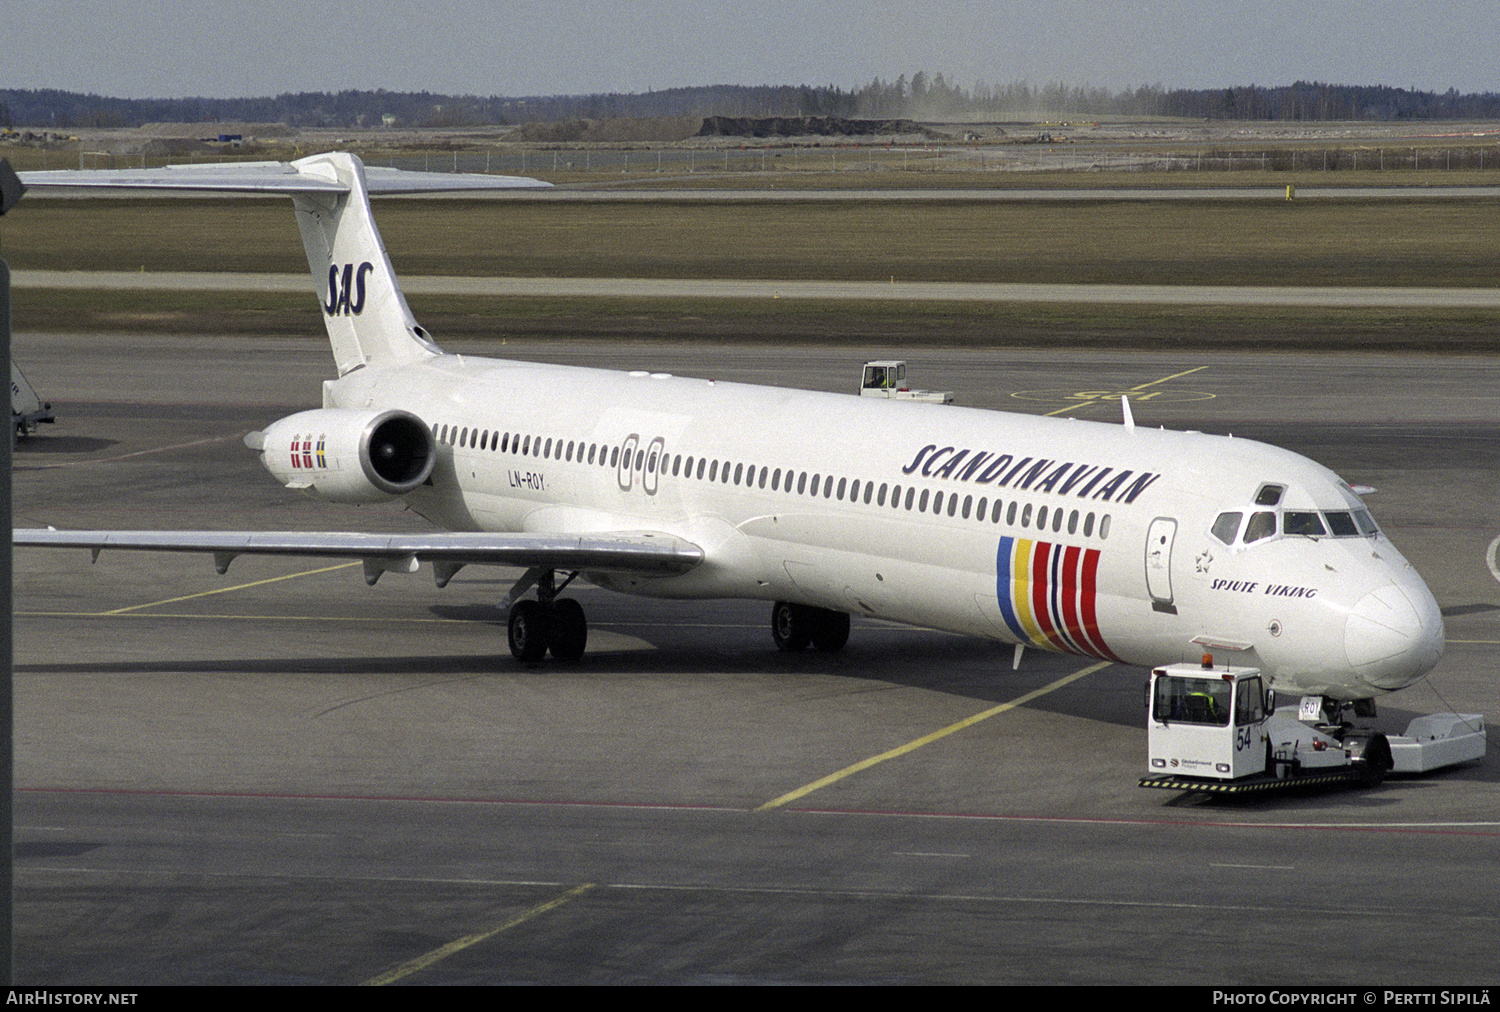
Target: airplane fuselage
{"points": [[1096, 539]]}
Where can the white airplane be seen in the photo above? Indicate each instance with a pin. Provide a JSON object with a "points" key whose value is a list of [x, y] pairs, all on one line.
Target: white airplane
{"points": [[1111, 541]]}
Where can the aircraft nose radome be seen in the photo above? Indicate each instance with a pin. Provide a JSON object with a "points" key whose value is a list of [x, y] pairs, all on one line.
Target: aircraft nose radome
{"points": [[1391, 639]]}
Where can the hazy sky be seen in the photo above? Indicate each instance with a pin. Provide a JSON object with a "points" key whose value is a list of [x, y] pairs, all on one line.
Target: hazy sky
{"points": [[230, 48]]}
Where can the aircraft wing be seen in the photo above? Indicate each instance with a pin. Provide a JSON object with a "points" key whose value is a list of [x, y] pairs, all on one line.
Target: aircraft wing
{"points": [[640, 552]]}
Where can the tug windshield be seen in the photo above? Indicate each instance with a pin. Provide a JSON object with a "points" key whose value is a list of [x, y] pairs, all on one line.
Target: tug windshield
{"points": [[1192, 701]]}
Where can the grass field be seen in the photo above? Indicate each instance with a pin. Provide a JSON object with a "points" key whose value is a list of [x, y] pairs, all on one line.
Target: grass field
{"points": [[743, 321], [1273, 242], [1442, 243]]}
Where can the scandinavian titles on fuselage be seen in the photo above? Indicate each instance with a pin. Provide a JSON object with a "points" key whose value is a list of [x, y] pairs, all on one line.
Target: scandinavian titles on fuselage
{"points": [[982, 467]]}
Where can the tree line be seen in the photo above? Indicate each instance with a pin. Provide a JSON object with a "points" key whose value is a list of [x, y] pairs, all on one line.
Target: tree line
{"points": [[920, 96]]}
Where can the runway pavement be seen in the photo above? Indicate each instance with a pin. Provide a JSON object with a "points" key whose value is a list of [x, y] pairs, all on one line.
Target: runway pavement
{"points": [[285, 776], [607, 194], [860, 291]]}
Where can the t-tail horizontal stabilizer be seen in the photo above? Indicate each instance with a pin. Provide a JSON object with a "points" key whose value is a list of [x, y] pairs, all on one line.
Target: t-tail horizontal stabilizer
{"points": [[366, 314]]}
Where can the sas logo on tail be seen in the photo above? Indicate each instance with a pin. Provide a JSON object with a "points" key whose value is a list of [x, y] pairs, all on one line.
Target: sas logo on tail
{"points": [[346, 289], [1046, 594]]}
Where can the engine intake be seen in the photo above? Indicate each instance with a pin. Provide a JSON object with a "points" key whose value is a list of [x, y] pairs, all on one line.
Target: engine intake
{"points": [[348, 456]]}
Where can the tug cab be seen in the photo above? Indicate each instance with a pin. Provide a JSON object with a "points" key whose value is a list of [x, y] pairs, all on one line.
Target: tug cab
{"points": [[1216, 729], [887, 378]]}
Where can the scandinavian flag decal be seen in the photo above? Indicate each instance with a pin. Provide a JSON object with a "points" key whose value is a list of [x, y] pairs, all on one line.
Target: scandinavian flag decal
{"points": [[1047, 593], [302, 453]]}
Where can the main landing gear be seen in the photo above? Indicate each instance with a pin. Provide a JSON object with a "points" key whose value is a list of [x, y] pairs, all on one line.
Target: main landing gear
{"points": [[549, 623], [794, 626], [557, 624]]}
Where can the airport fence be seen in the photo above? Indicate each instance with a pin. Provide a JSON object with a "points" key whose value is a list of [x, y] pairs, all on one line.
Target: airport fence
{"points": [[876, 158], [604, 162]]}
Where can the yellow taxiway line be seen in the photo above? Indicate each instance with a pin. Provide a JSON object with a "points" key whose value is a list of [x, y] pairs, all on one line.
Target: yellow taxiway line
{"points": [[226, 590], [1138, 387], [912, 746], [458, 945]]}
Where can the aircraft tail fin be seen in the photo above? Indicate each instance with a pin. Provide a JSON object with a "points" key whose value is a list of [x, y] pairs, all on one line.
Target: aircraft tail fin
{"points": [[364, 309]]}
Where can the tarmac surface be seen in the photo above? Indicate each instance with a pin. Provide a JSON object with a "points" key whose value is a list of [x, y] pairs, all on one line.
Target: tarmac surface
{"points": [[284, 776], [860, 291], [567, 194]]}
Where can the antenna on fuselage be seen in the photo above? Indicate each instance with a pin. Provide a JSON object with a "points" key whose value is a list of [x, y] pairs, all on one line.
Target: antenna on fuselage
{"points": [[1125, 409]]}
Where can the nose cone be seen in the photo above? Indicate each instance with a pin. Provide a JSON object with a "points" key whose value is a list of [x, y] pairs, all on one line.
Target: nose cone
{"points": [[1394, 635]]}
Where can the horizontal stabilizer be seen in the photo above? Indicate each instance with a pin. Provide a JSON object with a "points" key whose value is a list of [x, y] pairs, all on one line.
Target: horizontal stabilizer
{"points": [[364, 310], [272, 177]]}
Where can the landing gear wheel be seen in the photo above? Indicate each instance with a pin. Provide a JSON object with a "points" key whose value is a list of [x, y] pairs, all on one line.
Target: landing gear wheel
{"points": [[568, 632], [830, 630], [527, 628], [1372, 753], [790, 626]]}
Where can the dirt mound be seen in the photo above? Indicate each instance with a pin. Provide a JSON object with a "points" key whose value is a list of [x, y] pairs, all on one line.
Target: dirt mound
{"points": [[670, 129], [197, 130], [805, 126], [659, 130]]}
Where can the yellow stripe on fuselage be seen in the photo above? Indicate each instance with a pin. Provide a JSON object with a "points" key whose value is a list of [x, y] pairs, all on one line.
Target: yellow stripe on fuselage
{"points": [[1020, 591]]}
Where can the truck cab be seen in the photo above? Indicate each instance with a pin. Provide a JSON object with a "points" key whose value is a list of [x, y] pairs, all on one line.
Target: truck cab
{"points": [[1208, 722], [887, 378]]}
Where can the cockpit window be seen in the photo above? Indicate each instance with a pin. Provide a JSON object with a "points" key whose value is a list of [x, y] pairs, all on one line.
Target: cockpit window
{"points": [[1341, 524], [1261, 525], [1269, 495], [1226, 526], [1300, 522]]}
